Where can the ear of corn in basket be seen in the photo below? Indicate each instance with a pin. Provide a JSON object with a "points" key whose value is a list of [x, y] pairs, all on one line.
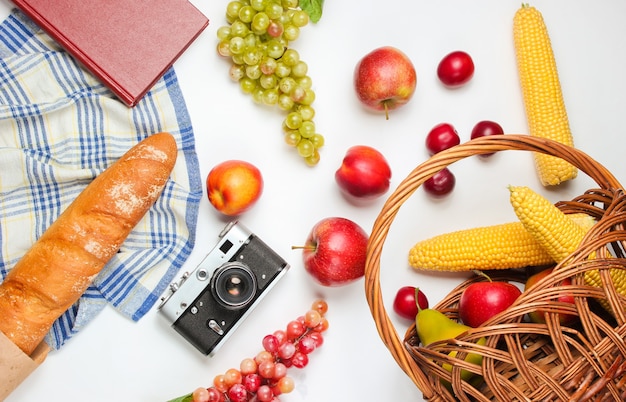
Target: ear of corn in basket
{"points": [[555, 232], [503, 246], [541, 91]]}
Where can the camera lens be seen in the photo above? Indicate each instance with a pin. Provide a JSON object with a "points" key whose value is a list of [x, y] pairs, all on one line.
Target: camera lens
{"points": [[234, 285]]}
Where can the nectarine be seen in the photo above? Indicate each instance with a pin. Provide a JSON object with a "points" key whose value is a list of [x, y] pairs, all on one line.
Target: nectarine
{"points": [[234, 186]]}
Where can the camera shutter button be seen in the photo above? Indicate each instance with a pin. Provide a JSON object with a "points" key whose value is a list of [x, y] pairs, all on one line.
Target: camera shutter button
{"points": [[216, 327]]}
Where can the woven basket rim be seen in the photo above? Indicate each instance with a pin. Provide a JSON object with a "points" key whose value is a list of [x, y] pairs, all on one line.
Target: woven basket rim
{"points": [[485, 145]]}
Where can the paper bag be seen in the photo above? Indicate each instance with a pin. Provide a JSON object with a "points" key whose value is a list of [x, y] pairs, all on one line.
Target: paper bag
{"points": [[15, 365]]}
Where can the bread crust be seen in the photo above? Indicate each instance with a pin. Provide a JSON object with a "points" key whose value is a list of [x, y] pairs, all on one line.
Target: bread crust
{"points": [[63, 262]]}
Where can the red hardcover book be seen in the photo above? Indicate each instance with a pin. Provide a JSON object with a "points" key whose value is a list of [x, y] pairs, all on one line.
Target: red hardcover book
{"points": [[127, 44]]}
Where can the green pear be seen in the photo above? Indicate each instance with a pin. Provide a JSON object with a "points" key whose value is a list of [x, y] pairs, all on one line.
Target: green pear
{"points": [[432, 326]]}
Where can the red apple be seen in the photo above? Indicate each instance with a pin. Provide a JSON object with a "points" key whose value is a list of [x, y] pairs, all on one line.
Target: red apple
{"points": [[334, 251], [482, 300], [385, 79], [364, 173], [234, 186], [538, 316]]}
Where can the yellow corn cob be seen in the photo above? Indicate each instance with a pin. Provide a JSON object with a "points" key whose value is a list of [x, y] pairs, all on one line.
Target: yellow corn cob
{"points": [[541, 90], [508, 245], [559, 235]]}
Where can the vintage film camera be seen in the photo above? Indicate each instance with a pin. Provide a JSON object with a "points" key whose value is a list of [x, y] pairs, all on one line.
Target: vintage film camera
{"points": [[206, 305]]}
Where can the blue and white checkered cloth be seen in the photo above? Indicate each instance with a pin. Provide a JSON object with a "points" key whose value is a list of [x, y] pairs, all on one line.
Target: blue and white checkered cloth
{"points": [[59, 128]]}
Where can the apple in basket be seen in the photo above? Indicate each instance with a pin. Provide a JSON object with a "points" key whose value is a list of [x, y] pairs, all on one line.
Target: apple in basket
{"points": [[364, 173], [334, 252], [539, 315], [482, 300], [234, 186]]}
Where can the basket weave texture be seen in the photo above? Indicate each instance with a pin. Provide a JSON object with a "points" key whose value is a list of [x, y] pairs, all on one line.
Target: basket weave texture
{"points": [[523, 361]]}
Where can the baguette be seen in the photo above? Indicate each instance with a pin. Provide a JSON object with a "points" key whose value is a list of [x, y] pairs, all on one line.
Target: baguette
{"points": [[62, 263]]}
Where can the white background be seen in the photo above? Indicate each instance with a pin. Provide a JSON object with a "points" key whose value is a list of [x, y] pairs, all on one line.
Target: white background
{"points": [[114, 359]]}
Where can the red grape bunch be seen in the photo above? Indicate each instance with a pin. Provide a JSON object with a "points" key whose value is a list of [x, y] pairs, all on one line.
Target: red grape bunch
{"points": [[263, 378]]}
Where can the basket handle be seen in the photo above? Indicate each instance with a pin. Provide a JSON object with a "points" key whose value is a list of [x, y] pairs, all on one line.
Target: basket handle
{"points": [[409, 185]]}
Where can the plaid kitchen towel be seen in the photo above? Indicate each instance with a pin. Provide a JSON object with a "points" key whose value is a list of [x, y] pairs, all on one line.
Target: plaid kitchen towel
{"points": [[59, 128]]}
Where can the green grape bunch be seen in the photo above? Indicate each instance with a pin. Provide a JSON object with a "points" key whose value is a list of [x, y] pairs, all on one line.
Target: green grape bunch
{"points": [[256, 41]]}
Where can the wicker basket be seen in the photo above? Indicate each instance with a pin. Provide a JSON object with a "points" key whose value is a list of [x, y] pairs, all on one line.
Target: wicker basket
{"points": [[523, 361]]}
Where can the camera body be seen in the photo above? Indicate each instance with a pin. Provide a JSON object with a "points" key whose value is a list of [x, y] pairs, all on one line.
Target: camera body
{"points": [[206, 305]]}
